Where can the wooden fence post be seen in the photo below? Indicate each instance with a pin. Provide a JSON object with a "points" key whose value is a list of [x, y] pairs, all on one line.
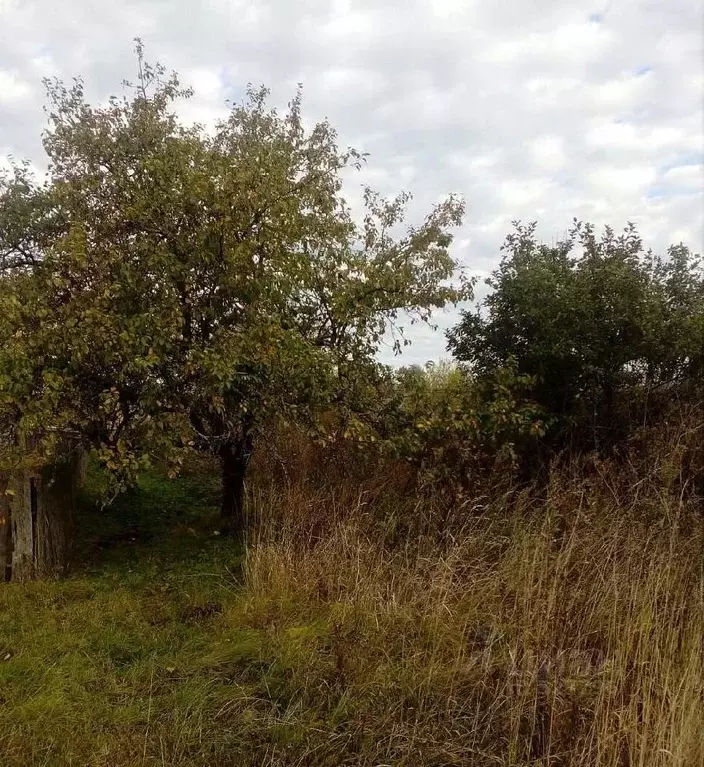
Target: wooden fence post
{"points": [[5, 530], [37, 518]]}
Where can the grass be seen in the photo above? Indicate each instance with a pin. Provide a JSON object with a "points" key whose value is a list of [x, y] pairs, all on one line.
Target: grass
{"points": [[356, 631]]}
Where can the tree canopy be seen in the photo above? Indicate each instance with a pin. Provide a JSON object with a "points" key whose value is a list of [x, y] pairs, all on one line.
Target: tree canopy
{"points": [[170, 288], [590, 319]]}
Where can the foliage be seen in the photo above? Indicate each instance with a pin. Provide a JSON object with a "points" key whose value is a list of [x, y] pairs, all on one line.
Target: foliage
{"points": [[168, 288], [611, 329], [452, 426]]}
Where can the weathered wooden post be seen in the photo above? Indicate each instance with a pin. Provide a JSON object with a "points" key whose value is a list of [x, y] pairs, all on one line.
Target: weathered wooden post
{"points": [[5, 531], [37, 518]]}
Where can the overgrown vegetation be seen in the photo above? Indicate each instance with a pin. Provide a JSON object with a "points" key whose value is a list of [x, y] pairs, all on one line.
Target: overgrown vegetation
{"points": [[366, 625], [497, 560]]}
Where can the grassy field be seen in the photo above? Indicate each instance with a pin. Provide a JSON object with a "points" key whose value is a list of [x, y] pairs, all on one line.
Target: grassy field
{"points": [[559, 631]]}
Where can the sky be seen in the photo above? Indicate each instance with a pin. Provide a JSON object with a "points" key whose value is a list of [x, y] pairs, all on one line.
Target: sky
{"points": [[537, 110]]}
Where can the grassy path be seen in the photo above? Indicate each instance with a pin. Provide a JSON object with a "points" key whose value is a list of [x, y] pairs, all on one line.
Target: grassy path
{"points": [[131, 659]]}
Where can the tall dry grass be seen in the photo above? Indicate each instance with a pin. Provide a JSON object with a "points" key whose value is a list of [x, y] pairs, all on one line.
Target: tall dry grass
{"points": [[558, 626]]}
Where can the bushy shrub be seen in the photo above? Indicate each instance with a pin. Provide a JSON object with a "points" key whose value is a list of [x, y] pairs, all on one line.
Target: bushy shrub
{"points": [[608, 332]]}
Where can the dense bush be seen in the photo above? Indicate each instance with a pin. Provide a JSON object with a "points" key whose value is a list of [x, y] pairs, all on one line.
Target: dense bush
{"points": [[609, 332], [456, 428]]}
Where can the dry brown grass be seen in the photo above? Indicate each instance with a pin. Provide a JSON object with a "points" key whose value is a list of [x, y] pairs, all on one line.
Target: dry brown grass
{"points": [[563, 631]]}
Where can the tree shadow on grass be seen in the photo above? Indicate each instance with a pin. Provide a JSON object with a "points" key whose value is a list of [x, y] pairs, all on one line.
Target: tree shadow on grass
{"points": [[161, 525]]}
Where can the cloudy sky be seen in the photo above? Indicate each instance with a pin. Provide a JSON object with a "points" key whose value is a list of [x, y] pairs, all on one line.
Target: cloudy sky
{"points": [[531, 109]]}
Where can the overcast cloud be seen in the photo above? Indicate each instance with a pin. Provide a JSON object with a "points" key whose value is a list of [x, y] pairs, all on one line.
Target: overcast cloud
{"points": [[531, 109]]}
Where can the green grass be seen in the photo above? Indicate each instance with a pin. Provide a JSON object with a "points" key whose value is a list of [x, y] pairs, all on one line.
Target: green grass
{"points": [[152, 651], [127, 660]]}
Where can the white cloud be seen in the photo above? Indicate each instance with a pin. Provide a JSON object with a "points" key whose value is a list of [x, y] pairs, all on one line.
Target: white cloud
{"points": [[447, 8], [687, 176], [548, 152], [12, 88], [575, 42], [205, 82], [629, 180], [624, 92], [533, 109]]}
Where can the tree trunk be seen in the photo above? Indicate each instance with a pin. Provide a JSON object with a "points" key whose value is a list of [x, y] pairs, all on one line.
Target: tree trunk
{"points": [[234, 458], [56, 516], [37, 519]]}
